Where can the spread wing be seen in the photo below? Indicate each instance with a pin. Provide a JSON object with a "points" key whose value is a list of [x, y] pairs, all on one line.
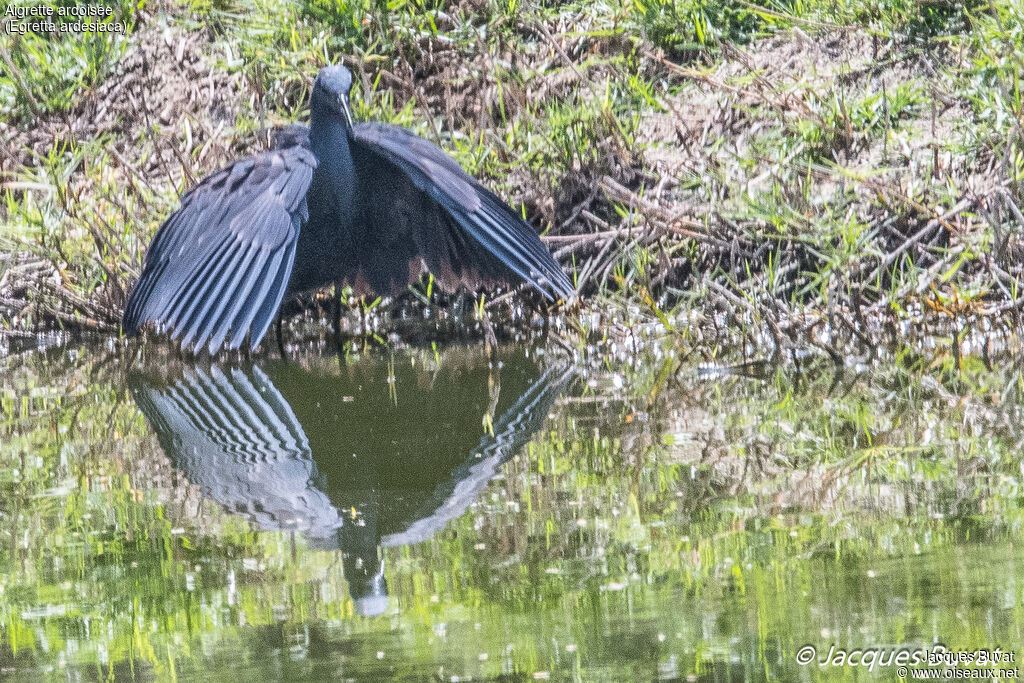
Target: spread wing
{"points": [[416, 207], [219, 266], [234, 435], [512, 430]]}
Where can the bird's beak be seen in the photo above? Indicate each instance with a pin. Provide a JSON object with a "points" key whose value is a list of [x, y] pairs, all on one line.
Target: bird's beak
{"points": [[343, 101]]}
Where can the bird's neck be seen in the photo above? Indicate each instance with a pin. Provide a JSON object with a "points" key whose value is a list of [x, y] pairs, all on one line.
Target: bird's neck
{"points": [[329, 136], [329, 133]]}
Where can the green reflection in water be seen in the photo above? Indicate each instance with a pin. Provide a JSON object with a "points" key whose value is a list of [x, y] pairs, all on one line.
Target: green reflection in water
{"points": [[653, 524]]}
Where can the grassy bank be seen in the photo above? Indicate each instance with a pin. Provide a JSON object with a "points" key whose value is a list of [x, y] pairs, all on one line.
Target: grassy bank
{"points": [[799, 173]]}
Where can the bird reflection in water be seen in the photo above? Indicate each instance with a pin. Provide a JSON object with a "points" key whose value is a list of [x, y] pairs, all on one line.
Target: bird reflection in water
{"points": [[382, 454]]}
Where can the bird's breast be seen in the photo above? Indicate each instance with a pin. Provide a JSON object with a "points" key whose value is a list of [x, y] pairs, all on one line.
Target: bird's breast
{"points": [[324, 251]]}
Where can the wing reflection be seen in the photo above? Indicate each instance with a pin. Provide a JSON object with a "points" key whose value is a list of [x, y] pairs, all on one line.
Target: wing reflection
{"points": [[382, 454]]}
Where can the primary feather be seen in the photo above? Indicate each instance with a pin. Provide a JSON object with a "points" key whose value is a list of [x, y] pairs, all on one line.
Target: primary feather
{"points": [[221, 261]]}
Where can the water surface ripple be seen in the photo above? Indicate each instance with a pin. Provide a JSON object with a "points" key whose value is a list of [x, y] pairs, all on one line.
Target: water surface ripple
{"points": [[435, 513]]}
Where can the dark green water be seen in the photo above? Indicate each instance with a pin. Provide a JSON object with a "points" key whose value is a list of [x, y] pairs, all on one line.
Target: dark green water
{"points": [[419, 514]]}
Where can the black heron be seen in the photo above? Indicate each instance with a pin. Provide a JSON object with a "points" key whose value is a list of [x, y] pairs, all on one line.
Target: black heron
{"points": [[369, 205]]}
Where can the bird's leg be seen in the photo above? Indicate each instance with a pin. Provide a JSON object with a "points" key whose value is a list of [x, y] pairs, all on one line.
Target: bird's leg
{"points": [[339, 339], [280, 337]]}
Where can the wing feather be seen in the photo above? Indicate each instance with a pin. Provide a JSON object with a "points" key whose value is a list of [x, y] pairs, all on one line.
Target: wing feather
{"points": [[471, 235], [219, 265], [187, 295], [272, 300], [207, 294]]}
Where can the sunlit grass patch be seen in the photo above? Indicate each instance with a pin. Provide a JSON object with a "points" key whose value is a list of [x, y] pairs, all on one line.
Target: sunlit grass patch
{"points": [[44, 72]]}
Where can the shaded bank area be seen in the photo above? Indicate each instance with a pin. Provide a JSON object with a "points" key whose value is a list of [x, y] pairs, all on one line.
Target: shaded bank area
{"points": [[802, 173], [638, 519]]}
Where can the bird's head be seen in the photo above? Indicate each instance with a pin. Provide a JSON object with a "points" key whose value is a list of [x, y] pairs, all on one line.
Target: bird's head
{"points": [[331, 89]]}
